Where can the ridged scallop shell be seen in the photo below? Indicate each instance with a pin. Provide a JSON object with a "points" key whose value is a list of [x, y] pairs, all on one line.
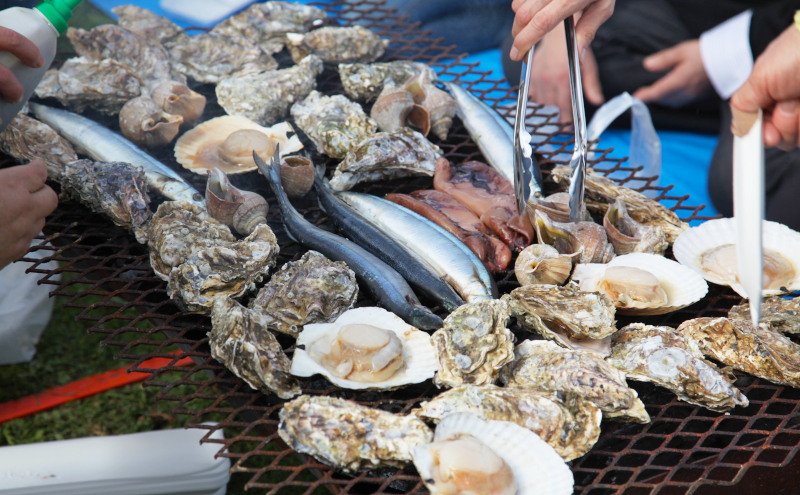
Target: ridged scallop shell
{"points": [[716, 233], [682, 286], [196, 150], [537, 468], [419, 356]]}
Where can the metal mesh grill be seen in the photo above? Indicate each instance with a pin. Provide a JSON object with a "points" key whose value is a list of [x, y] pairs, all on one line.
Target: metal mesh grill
{"points": [[683, 448]]}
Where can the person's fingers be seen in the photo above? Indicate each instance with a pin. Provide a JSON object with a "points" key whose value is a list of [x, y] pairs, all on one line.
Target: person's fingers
{"points": [[525, 9], [661, 88], [785, 119], [45, 201], [541, 21], [33, 175], [10, 87], [21, 47], [592, 18], [663, 60], [590, 76], [745, 104]]}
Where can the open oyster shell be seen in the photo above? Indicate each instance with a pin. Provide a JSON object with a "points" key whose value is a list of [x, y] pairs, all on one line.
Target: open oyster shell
{"points": [[364, 82], [759, 351], [211, 57], [239, 339], [145, 22], [665, 357], [709, 249], [571, 318], [681, 286], [227, 269], [782, 315], [418, 361], [334, 123], [473, 345], [337, 45], [266, 97], [386, 155], [586, 238], [546, 366], [571, 425], [629, 236], [27, 139], [348, 436], [313, 289], [542, 264], [602, 192]]}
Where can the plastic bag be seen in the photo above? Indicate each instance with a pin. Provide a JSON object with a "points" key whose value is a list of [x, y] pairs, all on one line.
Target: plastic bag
{"points": [[645, 149], [25, 308]]}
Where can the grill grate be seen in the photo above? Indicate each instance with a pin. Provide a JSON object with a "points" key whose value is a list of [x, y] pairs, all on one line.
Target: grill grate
{"points": [[683, 448]]}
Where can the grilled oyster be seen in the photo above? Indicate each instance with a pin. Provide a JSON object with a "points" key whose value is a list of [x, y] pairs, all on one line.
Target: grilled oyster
{"points": [[81, 83], [311, 290], [569, 317], [227, 269], [334, 123], [664, 357], [211, 57], [543, 264], [586, 238], [571, 425], [386, 155], [239, 339], [602, 192], [266, 97], [759, 351], [629, 236], [473, 345], [27, 139], [337, 45], [267, 23], [782, 315], [348, 436], [145, 22], [546, 366], [555, 206], [364, 82], [178, 230]]}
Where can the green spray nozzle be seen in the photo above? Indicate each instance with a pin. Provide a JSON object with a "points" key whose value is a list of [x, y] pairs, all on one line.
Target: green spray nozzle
{"points": [[58, 12]]}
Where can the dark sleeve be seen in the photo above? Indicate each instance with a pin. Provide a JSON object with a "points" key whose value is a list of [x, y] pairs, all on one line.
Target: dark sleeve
{"points": [[769, 22]]}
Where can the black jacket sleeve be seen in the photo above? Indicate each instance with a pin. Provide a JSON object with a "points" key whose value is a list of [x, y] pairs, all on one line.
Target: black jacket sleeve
{"points": [[769, 22]]}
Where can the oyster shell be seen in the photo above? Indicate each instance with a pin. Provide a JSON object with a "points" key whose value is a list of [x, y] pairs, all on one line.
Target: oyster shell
{"points": [[266, 97], [82, 83], [178, 230], [571, 425], [365, 348], [177, 99], [242, 210], [759, 351], [348, 436], [629, 236], [782, 315], [569, 317], [227, 269], [146, 124], [555, 206], [337, 45], [220, 143], [211, 57], [586, 238], [664, 357], [546, 366], [334, 123], [386, 155], [364, 82], [145, 22], [239, 339], [27, 139], [602, 192], [267, 23], [313, 289], [441, 107], [543, 264], [395, 107], [473, 345]]}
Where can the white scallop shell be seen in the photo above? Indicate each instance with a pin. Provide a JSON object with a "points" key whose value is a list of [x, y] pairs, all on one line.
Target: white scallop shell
{"points": [[713, 233], [419, 356], [682, 286], [537, 468]]}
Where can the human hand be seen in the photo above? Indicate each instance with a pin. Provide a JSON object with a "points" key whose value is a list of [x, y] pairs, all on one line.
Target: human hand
{"points": [[535, 18], [549, 75], [685, 83], [774, 86], [27, 52], [25, 201]]}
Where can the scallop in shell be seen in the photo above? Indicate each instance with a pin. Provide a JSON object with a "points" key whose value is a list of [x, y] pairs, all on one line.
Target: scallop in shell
{"points": [[586, 238], [386, 155], [570, 424], [145, 22], [365, 348], [642, 284], [395, 107], [337, 45], [364, 82], [629, 236], [177, 99], [242, 210], [555, 206], [313, 289], [782, 315], [543, 264], [211, 57], [146, 124], [441, 107], [667, 358], [239, 339], [334, 123], [710, 250], [470, 456], [227, 143], [546, 366], [473, 345], [27, 139]]}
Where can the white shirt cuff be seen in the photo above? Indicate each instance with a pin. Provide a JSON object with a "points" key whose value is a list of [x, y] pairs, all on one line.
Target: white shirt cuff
{"points": [[726, 54]]}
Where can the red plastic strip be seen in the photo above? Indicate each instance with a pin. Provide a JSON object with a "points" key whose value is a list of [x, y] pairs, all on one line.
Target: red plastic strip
{"points": [[80, 389]]}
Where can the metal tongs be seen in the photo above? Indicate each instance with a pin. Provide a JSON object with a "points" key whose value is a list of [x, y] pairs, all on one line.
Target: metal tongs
{"points": [[578, 161], [523, 153]]}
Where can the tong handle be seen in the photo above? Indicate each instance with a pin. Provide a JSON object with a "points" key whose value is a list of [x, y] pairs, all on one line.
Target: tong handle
{"points": [[576, 85]]}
